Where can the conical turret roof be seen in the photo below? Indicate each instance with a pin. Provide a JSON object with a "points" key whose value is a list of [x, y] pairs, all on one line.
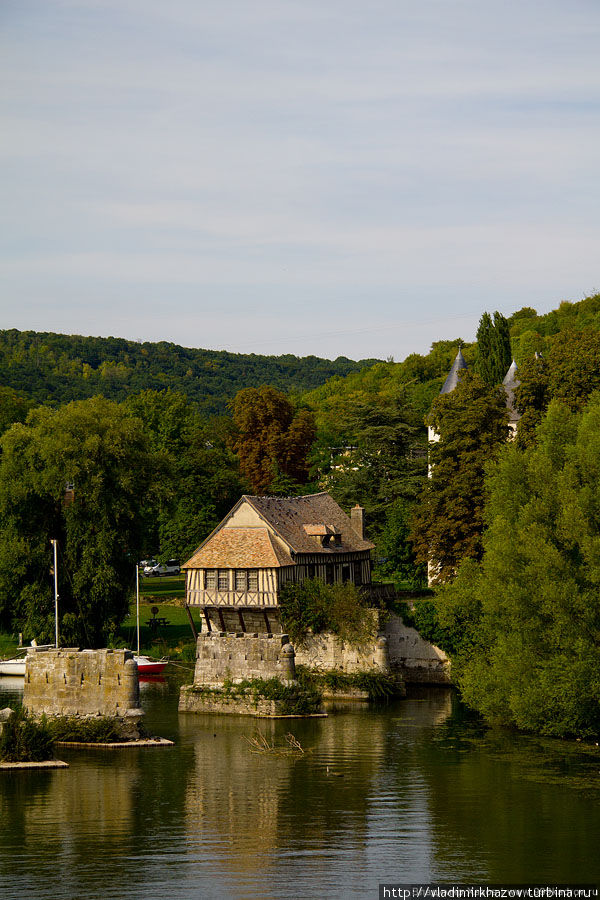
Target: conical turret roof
{"points": [[453, 378], [510, 383]]}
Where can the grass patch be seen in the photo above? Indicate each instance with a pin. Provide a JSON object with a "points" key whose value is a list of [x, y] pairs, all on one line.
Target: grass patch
{"points": [[26, 739], [295, 699], [92, 730], [163, 587], [8, 646], [378, 685]]}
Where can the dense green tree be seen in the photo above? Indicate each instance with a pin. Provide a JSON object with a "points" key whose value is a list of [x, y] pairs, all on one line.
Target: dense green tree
{"points": [[471, 422], [13, 408], [102, 451], [531, 398], [526, 619], [569, 372], [313, 607], [574, 366], [200, 481], [494, 354], [396, 559], [272, 438], [384, 463]]}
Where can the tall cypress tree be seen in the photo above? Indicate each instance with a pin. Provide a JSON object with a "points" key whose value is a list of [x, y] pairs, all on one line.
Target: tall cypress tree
{"points": [[494, 354], [472, 424]]}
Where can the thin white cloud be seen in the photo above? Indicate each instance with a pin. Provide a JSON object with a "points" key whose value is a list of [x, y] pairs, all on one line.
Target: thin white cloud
{"points": [[443, 153]]}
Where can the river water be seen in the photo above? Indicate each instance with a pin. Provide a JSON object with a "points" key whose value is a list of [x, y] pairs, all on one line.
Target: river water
{"points": [[413, 791]]}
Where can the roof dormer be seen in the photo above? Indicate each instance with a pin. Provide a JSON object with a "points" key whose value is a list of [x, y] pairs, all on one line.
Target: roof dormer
{"points": [[326, 536]]}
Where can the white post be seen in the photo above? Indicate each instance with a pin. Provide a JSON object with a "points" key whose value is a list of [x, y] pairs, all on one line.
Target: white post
{"points": [[137, 606], [53, 542]]}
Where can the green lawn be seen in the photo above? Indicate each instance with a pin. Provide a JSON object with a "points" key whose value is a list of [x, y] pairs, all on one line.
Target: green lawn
{"points": [[173, 639], [8, 645], [163, 587]]}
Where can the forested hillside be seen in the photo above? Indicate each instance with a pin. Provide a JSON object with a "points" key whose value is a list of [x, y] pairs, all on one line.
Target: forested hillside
{"points": [[509, 529], [56, 368]]}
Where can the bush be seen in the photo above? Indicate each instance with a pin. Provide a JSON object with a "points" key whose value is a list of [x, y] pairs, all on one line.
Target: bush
{"points": [[314, 607], [93, 730], [423, 617], [25, 739], [378, 685], [295, 699]]}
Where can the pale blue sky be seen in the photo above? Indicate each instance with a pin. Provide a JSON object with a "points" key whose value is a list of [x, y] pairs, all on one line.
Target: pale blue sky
{"points": [[336, 177]]}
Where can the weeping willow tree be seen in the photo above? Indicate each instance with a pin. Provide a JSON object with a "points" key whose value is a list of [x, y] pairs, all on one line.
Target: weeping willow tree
{"points": [[101, 450]]}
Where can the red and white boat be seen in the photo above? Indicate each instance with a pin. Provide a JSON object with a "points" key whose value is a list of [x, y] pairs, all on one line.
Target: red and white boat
{"points": [[147, 666]]}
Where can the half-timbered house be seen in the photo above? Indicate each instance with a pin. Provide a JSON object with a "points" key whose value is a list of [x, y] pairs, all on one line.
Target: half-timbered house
{"points": [[236, 574]]}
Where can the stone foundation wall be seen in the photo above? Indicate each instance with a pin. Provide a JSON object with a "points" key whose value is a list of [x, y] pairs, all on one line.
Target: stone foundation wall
{"points": [[70, 682], [222, 656], [327, 651], [398, 649], [215, 702], [417, 660]]}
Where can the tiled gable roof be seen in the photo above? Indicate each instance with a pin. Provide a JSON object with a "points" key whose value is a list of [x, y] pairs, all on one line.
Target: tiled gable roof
{"points": [[297, 521], [240, 548]]}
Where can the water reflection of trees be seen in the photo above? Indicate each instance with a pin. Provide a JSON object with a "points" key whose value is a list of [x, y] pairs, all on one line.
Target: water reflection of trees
{"points": [[505, 807], [250, 807], [413, 793]]}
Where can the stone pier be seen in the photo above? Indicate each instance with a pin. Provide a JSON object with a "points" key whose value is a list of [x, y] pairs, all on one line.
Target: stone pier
{"points": [[236, 656], [73, 682]]}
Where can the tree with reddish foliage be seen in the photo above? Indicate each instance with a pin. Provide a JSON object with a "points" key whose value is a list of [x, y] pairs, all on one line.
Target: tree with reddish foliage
{"points": [[272, 439]]}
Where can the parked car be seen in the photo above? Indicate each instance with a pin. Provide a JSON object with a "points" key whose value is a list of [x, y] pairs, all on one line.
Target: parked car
{"points": [[143, 563], [171, 567]]}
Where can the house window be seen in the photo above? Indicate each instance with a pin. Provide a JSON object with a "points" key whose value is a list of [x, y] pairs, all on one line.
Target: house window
{"points": [[241, 580], [358, 573], [329, 571], [253, 579], [345, 574], [210, 580], [223, 579], [311, 570]]}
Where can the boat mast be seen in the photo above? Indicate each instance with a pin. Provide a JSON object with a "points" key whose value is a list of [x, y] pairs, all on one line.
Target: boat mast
{"points": [[54, 544], [137, 606]]}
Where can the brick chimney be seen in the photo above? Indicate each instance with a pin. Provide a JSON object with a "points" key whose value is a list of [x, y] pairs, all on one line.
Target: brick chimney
{"points": [[357, 517]]}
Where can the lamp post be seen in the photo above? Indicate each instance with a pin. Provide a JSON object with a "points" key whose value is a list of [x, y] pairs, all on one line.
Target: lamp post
{"points": [[54, 543]]}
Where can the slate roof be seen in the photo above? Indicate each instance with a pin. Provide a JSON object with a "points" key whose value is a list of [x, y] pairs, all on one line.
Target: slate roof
{"points": [[510, 384], [453, 378], [240, 548], [289, 515], [256, 547]]}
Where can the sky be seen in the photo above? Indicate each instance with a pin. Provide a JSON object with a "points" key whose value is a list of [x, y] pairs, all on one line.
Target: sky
{"points": [[327, 177]]}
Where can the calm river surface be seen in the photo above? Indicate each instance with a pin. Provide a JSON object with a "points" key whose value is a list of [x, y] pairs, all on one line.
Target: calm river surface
{"points": [[416, 791]]}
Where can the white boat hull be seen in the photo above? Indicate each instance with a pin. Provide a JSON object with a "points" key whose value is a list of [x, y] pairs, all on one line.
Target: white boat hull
{"points": [[146, 666], [12, 667]]}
